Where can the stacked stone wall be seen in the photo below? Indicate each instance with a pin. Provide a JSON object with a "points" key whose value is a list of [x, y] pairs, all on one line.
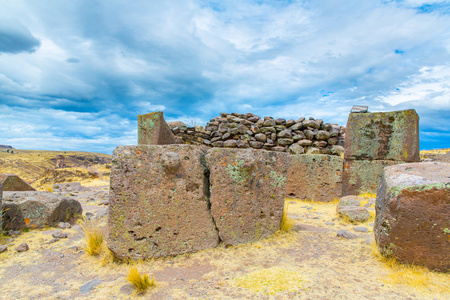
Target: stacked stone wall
{"points": [[235, 130]]}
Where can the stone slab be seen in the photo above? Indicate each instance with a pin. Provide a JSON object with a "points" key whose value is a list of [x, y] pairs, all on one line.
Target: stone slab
{"points": [[247, 192], [159, 203], [38, 209], [1, 207], [413, 213], [383, 136], [153, 130], [363, 176], [315, 177], [12, 182]]}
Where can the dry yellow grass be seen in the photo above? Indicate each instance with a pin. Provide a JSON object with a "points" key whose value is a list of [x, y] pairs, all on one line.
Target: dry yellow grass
{"points": [[31, 165], [141, 282], [270, 281], [417, 277], [94, 238], [286, 222]]}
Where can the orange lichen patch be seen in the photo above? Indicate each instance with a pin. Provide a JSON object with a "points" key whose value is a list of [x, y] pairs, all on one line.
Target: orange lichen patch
{"points": [[27, 221], [138, 151]]}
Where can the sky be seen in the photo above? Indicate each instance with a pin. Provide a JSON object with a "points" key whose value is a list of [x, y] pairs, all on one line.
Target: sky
{"points": [[75, 74]]}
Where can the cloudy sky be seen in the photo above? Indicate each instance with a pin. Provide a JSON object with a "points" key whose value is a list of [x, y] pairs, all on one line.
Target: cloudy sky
{"points": [[74, 75]]}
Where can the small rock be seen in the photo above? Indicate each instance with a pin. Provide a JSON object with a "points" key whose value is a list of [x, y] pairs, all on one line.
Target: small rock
{"points": [[127, 289], [22, 247], [329, 223], [64, 225], [3, 248], [90, 286], [103, 202], [346, 234], [54, 240], [360, 229], [14, 232], [60, 235], [89, 216]]}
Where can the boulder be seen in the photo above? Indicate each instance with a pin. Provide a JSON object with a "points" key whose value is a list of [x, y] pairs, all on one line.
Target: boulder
{"points": [[38, 209], [315, 177], [354, 214], [247, 192], [153, 130], [12, 182], [363, 176], [413, 213], [159, 202], [383, 136]]}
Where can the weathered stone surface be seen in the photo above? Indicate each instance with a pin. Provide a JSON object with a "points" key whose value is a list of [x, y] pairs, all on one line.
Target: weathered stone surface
{"points": [[12, 182], [247, 192], [153, 130], [159, 202], [3, 248], [38, 209], [315, 177], [363, 176], [383, 136], [413, 213]]}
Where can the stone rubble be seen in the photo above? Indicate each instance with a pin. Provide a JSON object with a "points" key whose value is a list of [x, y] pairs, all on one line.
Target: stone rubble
{"points": [[250, 131]]}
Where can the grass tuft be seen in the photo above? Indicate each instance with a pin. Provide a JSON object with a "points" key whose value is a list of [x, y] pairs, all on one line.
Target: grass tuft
{"points": [[140, 282], [94, 238], [286, 222]]}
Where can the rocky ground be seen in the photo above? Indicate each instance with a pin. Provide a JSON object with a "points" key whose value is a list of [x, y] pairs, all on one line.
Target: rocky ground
{"points": [[309, 262]]}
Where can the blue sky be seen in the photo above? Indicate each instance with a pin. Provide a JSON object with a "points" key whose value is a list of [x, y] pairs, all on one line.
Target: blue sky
{"points": [[74, 75]]}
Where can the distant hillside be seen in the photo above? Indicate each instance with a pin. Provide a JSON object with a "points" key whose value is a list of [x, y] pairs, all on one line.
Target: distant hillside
{"points": [[6, 147], [31, 165]]}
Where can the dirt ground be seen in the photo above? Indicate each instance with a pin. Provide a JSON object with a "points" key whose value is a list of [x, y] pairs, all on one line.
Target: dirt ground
{"points": [[309, 262]]}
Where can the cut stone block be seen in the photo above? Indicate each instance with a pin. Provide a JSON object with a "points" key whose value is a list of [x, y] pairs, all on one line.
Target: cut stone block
{"points": [[153, 130], [247, 192], [363, 176], [383, 136], [38, 209], [315, 177], [159, 202], [12, 182], [413, 213]]}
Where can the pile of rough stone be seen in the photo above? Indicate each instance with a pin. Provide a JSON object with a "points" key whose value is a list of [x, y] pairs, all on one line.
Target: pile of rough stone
{"points": [[250, 131]]}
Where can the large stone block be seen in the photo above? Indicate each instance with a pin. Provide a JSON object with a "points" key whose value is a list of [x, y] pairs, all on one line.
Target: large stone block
{"points": [[363, 176], [413, 214], [315, 177], [383, 136], [12, 182], [247, 192], [159, 203], [153, 130], [38, 209]]}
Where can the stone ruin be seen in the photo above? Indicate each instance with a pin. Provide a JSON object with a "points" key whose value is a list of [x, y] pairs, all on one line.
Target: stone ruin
{"points": [[180, 190], [250, 131]]}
